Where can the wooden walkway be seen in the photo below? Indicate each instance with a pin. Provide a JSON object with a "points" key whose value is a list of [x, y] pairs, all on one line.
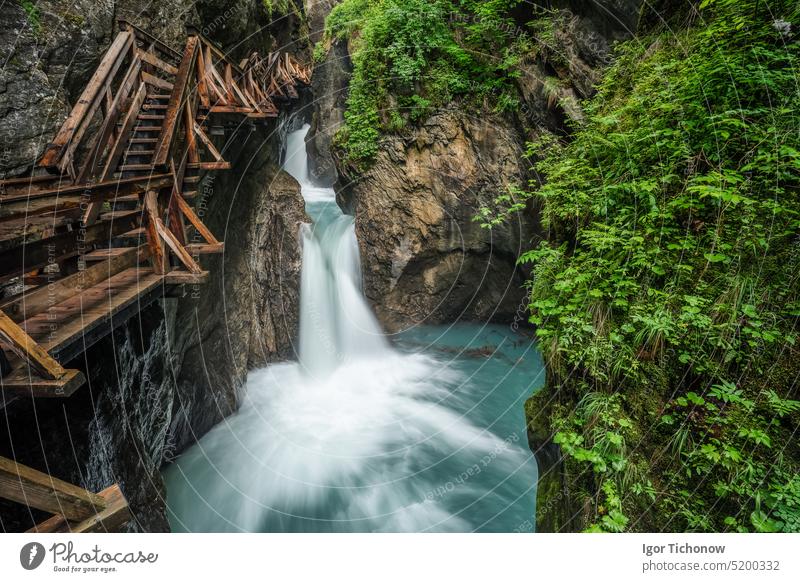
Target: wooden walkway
{"points": [[101, 226]]}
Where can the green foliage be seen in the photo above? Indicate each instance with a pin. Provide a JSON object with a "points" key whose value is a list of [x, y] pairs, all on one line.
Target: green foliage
{"points": [[671, 270], [412, 55], [32, 12], [276, 6]]}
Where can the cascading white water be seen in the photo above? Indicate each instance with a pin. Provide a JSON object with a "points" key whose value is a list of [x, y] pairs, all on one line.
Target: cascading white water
{"points": [[359, 435], [336, 324]]}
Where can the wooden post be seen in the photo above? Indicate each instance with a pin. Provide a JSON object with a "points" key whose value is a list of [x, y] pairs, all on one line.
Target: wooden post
{"points": [[23, 345], [157, 255]]}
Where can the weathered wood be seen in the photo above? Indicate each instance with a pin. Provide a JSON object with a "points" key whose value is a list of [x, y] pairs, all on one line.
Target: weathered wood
{"points": [[185, 278], [18, 260], [73, 321], [111, 519], [143, 34], [202, 87], [30, 303], [156, 81], [68, 136], [41, 491], [121, 143], [176, 102], [205, 249], [174, 216], [152, 59], [157, 254], [27, 349], [177, 248], [196, 222], [21, 383]]}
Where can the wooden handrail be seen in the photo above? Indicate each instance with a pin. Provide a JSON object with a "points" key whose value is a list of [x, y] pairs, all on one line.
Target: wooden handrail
{"points": [[176, 99], [66, 141]]}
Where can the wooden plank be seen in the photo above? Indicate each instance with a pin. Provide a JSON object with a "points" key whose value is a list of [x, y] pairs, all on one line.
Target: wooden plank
{"points": [[122, 138], [106, 189], [176, 102], [30, 303], [156, 81], [18, 260], [196, 222], [152, 59], [159, 44], [87, 102], [174, 216], [36, 489], [153, 238], [177, 248], [28, 350], [205, 249], [21, 382], [78, 318], [202, 88]]}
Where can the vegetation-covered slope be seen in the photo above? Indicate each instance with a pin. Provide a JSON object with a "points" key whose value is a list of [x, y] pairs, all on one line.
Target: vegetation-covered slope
{"points": [[666, 298]]}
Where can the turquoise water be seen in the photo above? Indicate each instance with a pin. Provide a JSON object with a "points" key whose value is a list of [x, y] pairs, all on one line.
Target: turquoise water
{"points": [[447, 454]]}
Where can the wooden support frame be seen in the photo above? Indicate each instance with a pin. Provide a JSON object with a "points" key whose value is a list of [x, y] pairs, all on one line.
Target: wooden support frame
{"points": [[41, 491]]}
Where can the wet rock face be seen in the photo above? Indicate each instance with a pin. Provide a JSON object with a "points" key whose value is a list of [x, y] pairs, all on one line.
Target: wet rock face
{"points": [[424, 258]]}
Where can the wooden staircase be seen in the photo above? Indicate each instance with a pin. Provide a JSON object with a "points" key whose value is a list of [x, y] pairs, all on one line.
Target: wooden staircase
{"points": [[103, 224]]}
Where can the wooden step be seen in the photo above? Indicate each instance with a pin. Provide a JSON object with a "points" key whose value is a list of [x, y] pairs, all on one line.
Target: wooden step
{"points": [[205, 248], [147, 128], [140, 152], [144, 140], [136, 233], [150, 117], [106, 253], [190, 194], [153, 106], [159, 96], [191, 179]]}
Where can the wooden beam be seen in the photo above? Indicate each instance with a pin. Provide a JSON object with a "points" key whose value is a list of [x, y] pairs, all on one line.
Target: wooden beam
{"points": [[28, 350], [152, 59], [196, 222], [202, 87], [105, 189], [111, 519], [22, 383], [177, 248], [156, 81], [69, 134], [175, 105], [157, 254], [41, 491]]}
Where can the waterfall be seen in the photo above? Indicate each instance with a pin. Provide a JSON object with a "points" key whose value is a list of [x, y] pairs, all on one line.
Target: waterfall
{"points": [[336, 324], [361, 435]]}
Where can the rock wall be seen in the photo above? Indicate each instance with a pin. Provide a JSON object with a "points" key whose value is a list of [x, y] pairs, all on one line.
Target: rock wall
{"points": [[424, 258], [169, 374]]}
